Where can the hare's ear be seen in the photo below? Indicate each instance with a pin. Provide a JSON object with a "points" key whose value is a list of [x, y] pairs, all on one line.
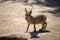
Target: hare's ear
{"points": [[30, 12], [25, 10]]}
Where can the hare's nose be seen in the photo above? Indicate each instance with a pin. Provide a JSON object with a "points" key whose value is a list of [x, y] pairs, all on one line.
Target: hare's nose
{"points": [[25, 18]]}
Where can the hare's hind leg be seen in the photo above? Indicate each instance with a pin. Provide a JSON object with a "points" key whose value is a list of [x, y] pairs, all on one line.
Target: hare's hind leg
{"points": [[45, 23], [43, 26], [27, 27]]}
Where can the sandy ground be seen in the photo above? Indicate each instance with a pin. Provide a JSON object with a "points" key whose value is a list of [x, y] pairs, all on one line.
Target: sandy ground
{"points": [[12, 21]]}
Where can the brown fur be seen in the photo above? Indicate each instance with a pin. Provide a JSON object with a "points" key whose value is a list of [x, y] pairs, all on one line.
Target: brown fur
{"points": [[41, 19]]}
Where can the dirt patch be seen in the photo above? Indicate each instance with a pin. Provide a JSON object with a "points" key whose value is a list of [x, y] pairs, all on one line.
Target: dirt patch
{"points": [[12, 21]]}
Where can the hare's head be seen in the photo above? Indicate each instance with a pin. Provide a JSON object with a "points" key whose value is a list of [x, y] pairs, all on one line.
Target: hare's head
{"points": [[28, 14]]}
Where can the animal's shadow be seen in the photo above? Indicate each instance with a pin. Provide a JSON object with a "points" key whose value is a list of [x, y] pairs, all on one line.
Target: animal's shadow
{"points": [[34, 34]]}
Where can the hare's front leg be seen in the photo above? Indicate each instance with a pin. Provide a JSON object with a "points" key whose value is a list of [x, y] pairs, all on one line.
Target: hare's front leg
{"points": [[27, 27], [34, 28]]}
